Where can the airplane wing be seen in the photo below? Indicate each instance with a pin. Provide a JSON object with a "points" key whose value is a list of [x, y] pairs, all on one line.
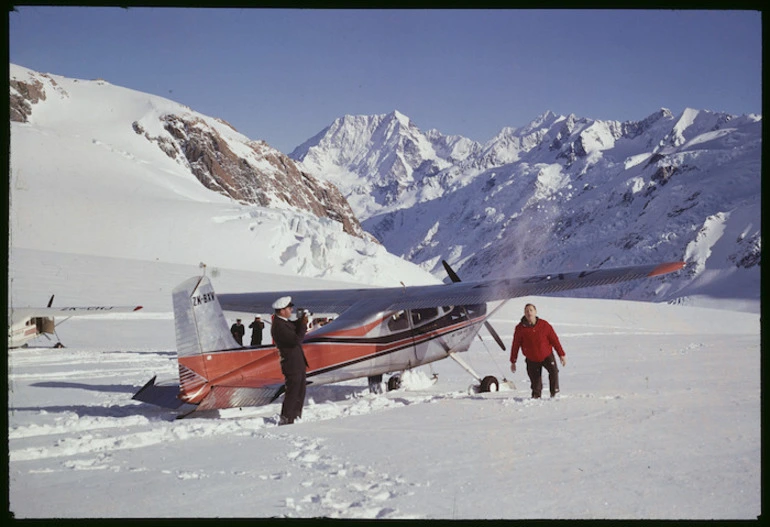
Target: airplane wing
{"points": [[460, 293], [480, 291], [27, 312], [317, 301]]}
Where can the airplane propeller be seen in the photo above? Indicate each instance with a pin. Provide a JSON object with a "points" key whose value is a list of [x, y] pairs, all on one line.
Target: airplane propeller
{"points": [[453, 276]]}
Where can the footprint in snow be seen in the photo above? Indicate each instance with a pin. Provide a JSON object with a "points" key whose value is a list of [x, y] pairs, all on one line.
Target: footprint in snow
{"points": [[362, 493]]}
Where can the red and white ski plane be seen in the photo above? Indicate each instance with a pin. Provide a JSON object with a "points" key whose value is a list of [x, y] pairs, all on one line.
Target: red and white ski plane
{"points": [[378, 331]]}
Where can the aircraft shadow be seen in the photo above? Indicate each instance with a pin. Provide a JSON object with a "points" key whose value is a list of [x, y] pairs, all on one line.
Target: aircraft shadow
{"points": [[322, 394], [101, 411], [130, 409], [108, 388]]}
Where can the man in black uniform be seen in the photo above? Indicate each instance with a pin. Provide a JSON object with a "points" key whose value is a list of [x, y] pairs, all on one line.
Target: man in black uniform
{"points": [[288, 336], [256, 331], [238, 330]]}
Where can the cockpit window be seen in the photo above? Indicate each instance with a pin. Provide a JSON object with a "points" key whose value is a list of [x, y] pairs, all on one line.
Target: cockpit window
{"points": [[476, 310], [421, 316], [472, 311], [398, 322]]}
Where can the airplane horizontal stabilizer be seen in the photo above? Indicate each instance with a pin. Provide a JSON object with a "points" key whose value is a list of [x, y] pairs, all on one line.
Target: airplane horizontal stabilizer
{"points": [[161, 395]]}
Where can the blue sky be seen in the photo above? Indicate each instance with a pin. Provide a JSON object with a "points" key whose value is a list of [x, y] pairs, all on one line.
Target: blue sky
{"points": [[282, 75]]}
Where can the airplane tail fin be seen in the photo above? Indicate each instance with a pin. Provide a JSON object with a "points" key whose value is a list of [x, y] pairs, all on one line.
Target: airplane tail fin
{"points": [[198, 319]]}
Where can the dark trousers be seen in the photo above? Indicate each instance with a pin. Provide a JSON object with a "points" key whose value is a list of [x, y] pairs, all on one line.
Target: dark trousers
{"points": [[294, 398], [535, 372]]}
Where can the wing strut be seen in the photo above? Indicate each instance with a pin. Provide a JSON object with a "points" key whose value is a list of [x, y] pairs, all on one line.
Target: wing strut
{"points": [[453, 355], [453, 276]]}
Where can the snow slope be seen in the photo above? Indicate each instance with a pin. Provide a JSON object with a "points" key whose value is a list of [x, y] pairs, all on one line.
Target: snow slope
{"points": [[659, 417], [102, 189]]}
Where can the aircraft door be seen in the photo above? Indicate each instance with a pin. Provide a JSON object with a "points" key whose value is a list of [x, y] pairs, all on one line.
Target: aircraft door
{"points": [[426, 323], [45, 325], [421, 328], [400, 326]]}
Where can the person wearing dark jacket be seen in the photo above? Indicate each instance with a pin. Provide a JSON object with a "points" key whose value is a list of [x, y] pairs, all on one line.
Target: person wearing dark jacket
{"points": [[288, 336], [256, 331], [537, 340], [238, 331]]}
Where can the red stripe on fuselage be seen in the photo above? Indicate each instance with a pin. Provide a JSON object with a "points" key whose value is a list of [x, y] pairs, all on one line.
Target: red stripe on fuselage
{"points": [[258, 367], [359, 331]]}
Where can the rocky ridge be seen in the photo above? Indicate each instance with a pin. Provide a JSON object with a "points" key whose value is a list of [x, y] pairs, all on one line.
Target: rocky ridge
{"points": [[250, 172]]}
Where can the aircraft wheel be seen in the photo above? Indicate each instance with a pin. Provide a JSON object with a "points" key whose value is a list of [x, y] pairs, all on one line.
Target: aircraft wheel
{"points": [[489, 384], [394, 383], [375, 384]]}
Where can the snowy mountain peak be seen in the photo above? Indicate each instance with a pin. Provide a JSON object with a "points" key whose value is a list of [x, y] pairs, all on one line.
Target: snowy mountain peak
{"points": [[389, 146], [401, 118], [544, 120]]}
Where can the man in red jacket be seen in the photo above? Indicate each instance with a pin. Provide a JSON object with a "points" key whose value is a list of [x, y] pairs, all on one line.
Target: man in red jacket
{"points": [[536, 338]]}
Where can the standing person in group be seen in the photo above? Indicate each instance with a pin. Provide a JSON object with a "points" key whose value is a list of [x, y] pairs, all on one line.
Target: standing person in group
{"points": [[537, 339], [288, 336], [256, 331], [238, 331]]}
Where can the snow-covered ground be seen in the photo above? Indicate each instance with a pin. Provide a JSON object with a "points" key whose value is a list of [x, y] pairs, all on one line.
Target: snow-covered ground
{"points": [[659, 417]]}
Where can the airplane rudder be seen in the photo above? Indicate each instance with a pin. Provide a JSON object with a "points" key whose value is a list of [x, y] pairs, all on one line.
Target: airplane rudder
{"points": [[199, 321]]}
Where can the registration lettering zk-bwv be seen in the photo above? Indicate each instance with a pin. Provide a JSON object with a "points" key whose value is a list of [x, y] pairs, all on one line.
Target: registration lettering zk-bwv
{"points": [[202, 299]]}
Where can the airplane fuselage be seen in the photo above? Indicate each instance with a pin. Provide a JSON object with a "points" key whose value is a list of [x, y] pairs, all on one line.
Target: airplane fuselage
{"points": [[339, 351], [22, 331]]}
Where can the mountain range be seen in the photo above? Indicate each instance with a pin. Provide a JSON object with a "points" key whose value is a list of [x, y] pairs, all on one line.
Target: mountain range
{"points": [[561, 193]]}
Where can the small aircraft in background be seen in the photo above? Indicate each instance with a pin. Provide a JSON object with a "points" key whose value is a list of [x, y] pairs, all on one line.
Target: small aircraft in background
{"points": [[378, 331], [28, 323]]}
